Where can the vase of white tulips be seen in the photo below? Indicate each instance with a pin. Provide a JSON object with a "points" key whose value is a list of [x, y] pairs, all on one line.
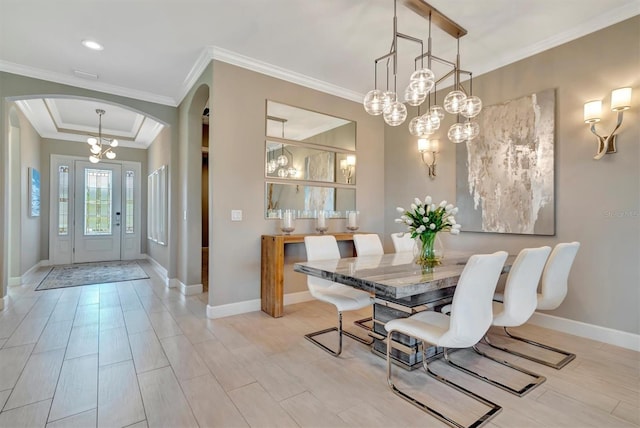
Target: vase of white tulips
{"points": [[424, 220]]}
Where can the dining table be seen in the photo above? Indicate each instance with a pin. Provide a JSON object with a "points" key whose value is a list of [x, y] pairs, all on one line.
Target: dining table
{"points": [[401, 288]]}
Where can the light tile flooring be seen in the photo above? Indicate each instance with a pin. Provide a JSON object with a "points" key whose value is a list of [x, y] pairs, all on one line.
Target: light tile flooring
{"points": [[135, 354]]}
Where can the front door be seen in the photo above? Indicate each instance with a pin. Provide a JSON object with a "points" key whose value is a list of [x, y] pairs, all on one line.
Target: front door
{"points": [[97, 212]]}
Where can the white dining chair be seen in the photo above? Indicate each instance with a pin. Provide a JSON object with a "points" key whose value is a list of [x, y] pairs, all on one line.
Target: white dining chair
{"points": [[553, 287], [402, 242], [368, 244], [343, 297], [470, 319], [520, 299]]}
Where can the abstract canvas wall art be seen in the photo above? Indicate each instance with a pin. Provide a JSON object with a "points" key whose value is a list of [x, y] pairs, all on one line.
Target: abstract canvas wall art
{"points": [[505, 177]]}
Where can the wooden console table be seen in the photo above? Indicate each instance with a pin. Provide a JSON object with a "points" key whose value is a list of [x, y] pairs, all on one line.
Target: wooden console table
{"points": [[272, 267]]}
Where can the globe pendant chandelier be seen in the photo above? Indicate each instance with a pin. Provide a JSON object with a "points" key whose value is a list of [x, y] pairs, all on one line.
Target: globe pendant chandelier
{"points": [[100, 146], [279, 164], [423, 83]]}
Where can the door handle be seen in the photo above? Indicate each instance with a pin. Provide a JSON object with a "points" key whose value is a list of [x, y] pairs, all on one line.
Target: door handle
{"points": [[117, 219]]}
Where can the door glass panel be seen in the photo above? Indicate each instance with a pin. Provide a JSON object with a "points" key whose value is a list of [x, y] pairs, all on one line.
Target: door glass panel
{"points": [[128, 220], [63, 200], [98, 202]]}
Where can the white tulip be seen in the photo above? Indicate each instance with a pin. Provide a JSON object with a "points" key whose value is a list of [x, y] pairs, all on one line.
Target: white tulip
{"points": [[425, 219], [399, 220], [421, 210], [400, 210], [432, 226], [417, 201], [448, 208], [456, 226], [428, 208], [443, 204], [409, 221], [433, 207], [427, 200], [404, 217], [414, 207], [455, 231], [452, 221], [454, 211]]}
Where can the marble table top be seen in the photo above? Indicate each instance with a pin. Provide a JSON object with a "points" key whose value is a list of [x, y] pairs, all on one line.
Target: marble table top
{"points": [[390, 275]]}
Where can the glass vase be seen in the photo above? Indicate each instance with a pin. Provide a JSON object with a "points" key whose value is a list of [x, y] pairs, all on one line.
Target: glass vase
{"points": [[426, 253]]}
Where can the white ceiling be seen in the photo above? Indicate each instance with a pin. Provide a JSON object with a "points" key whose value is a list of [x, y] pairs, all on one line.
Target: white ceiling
{"points": [[153, 50]]}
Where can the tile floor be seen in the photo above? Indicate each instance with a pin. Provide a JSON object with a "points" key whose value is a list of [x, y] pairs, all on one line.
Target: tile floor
{"points": [[136, 354]]}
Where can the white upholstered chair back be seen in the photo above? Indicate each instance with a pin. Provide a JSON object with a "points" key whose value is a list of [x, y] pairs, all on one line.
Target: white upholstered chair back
{"points": [[471, 309], [368, 244], [402, 242], [320, 248], [556, 275], [520, 290]]}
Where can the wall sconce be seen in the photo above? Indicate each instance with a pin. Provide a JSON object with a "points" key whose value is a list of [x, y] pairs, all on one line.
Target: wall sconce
{"points": [[347, 166], [428, 150], [620, 101]]}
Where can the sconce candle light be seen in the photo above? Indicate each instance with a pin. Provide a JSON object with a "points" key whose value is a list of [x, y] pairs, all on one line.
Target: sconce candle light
{"points": [[620, 101], [428, 149], [347, 167]]}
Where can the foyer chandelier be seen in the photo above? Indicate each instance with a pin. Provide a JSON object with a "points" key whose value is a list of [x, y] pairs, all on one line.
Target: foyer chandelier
{"points": [[423, 82], [101, 146]]}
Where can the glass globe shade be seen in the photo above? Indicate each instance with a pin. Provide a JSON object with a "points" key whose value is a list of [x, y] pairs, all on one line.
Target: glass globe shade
{"points": [[471, 107], [413, 97], [417, 126], [374, 102], [114, 143], [292, 171], [282, 173], [272, 166], [282, 160], [395, 114], [422, 80], [94, 159], [471, 130], [95, 149], [431, 124], [436, 111], [456, 133], [111, 155], [388, 97], [92, 141], [454, 102]]}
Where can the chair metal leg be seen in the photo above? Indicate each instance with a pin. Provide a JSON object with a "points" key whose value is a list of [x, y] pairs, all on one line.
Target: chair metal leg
{"points": [[361, 323], [311, 337], [494, 408], [566, 360], [537, 379]]}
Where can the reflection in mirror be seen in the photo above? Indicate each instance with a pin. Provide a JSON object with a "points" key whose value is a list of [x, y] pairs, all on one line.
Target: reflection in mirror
{"points": [[298, 124], [304, 163], [306, 200]]}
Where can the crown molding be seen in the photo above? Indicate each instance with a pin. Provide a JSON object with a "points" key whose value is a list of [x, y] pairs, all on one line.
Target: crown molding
{"points": [[220, 54], [194, 74], [605, 20], [64, 79]]}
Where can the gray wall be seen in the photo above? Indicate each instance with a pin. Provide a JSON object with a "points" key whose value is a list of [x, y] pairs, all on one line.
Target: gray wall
{"points": [[597, 202], [30, 227], [158, 154], [236, 171]]}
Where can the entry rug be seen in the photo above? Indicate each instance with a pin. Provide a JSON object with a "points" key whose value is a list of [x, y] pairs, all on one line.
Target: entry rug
{"points": [[91, 273]]}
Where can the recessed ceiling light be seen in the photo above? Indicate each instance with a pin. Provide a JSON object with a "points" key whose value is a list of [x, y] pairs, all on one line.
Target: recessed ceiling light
{"points": [[92, 44]]}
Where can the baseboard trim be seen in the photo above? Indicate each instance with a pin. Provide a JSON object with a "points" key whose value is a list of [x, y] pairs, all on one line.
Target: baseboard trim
{"points": [[160, 270], [588, 331], [230, 309], [190, 290], [173, 283], [238, 308]]}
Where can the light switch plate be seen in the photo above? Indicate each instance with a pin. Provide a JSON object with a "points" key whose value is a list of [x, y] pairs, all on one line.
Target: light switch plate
{"points": [[236, 215]]}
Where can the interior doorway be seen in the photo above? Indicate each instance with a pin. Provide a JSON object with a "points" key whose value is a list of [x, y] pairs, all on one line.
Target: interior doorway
{"points": [[205, 199]]}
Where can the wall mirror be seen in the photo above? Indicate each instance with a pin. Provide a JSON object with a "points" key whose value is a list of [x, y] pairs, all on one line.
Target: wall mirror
{"points": [[306, 200], [315, 150]]}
